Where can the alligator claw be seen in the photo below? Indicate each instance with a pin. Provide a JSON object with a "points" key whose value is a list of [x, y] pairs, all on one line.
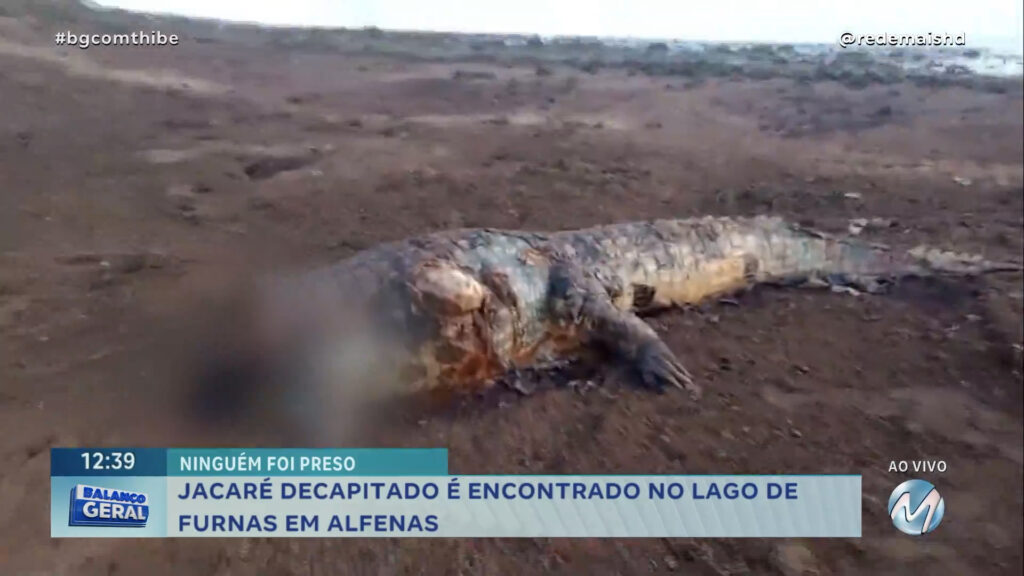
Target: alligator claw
{"points": [[659, 369]]}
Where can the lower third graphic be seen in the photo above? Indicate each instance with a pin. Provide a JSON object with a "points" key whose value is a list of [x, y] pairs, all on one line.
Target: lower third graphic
{"points": [[916, 507], [95, 506]]}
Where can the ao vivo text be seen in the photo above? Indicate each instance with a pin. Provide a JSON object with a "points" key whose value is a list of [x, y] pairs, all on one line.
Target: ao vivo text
{"points": [[917, 466]]}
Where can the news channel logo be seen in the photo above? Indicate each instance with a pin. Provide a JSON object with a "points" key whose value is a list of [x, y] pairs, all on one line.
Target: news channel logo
{"points": [[110, 507], [916, 507]]}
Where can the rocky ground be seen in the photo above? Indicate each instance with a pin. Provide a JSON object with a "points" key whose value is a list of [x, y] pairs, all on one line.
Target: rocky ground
{"points": [[135, 179]]}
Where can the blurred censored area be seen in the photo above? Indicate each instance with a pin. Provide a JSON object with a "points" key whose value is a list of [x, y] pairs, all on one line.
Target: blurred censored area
{"points": [[269, 356]]}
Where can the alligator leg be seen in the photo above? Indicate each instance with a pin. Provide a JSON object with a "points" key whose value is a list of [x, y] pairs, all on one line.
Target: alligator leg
{"points": [[584, 302]]}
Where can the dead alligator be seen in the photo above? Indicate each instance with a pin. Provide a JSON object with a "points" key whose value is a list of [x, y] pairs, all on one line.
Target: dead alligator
{"points": [[454, 310]]}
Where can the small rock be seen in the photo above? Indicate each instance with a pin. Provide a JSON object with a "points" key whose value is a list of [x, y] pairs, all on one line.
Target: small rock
{"points": [[473, 75], [794, 559], [178, 191], [795, 433], [671, 563], [269, 166], [130, 263], [857, 225], [845, 290], [257, 203], [656, 48], [852, 195], [965, 182]]}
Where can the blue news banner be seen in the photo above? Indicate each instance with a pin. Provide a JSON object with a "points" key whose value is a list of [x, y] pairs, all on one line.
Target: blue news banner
{"points": [[168, 493]]}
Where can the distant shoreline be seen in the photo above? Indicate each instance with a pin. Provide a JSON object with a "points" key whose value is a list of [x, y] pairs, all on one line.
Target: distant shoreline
{"points": [[996, 46], [968, 65]]}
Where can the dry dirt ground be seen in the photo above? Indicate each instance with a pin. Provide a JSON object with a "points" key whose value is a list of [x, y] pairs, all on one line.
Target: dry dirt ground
{"points": [[132, 178]]}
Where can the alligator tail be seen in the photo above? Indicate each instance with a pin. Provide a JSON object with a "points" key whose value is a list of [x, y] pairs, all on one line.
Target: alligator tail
{"points": [[932, 261], [873, 266]]}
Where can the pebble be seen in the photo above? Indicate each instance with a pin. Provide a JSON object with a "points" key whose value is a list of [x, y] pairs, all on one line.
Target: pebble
{"points": [[794, 559], [844, 290], [858, 225]]}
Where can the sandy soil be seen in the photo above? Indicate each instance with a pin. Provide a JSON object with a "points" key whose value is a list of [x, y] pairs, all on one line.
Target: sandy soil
{"points": [[134, 179]]}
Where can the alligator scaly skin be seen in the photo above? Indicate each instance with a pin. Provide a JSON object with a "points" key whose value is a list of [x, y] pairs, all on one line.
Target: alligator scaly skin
{"points": [[453, 310]]}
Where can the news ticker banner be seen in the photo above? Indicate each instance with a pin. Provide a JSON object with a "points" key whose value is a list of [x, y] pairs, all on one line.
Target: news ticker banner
{"points": [[189, 493]]}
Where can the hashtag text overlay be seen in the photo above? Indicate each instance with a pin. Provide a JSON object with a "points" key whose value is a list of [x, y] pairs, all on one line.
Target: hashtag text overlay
{"points": [[83, 41]]}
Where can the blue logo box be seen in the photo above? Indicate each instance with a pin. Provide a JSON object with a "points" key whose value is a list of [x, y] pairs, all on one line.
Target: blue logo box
{"points": [[96, 506]]}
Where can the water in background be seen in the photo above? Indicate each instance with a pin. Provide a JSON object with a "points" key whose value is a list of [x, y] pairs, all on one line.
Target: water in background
{"points": [[989, 56]]}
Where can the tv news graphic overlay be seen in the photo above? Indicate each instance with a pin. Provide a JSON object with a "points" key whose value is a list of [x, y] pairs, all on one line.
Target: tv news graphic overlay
{"points": [[925, 40], [136, 38], [916, 507], [339, 493], [98, 506]]}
